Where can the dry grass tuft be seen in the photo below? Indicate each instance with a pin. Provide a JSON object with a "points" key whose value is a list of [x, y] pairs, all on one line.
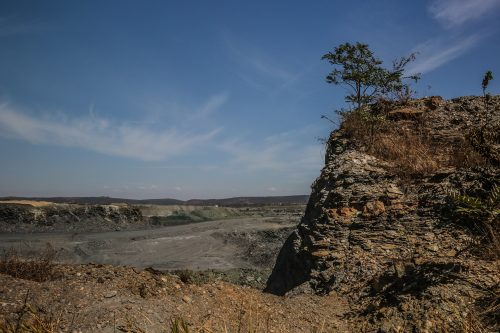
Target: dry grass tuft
{"points": [[491, 308], [40, 267], [185, 275], [179, 325], [407, 144], [409, 153], [31, 319], [481, 215]]}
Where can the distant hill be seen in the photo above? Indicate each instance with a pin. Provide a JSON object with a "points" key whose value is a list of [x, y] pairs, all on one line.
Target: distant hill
{"points": [[98, 200], [232, 202], [251, 201]]}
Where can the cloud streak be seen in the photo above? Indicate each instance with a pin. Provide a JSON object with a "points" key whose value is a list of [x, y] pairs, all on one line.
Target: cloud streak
{"points": [[99, 135], [276, 152], [267, 68], [453, 41], [438, 51], [213, 104], [454, 13]]}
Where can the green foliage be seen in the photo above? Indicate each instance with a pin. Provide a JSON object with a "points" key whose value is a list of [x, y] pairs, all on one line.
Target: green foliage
{"points": [[484, 213], [361, 72], [477, 208], [488, 76], [394, 86], [486, 139]]}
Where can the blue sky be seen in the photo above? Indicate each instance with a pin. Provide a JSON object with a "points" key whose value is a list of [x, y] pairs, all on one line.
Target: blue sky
{"points": [[204, 99]]}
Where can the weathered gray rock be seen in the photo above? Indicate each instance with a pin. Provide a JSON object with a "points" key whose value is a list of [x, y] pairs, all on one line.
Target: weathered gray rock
{"points": [[362, 219]]}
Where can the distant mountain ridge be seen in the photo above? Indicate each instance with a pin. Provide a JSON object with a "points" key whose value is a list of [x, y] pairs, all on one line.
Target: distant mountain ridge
{"points": [[235, 201]]}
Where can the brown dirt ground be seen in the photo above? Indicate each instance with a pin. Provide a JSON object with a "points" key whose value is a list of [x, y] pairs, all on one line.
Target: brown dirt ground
{"points": [[101, 298]]}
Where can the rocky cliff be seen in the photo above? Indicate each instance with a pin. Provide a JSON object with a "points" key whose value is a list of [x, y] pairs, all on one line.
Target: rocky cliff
{"points": [[390, 241]]}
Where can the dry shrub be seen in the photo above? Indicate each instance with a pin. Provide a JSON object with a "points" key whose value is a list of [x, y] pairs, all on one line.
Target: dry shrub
{"points": [[481, 215], [485, 315], [467, 322], [406, 144], [185, 275], [408, 152], [361, 125], [488, 243], [40, 267], [490, 305], [462, 154], [31, 319], [179, 325], [484, 244]]}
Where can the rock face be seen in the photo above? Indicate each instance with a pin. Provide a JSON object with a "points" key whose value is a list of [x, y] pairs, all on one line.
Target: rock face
{"points": [[391, 243], [361, 219], [65, 217], [364, 224]]}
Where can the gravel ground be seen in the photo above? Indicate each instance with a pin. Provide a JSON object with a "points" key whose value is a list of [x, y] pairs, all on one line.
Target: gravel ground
{"points": [[100, 298], [220, 245]]}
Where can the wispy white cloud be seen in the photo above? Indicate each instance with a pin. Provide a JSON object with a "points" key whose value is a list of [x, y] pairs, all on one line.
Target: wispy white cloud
{"points": [[267, 68], [457, 37], [100, 135], [439, 51], [453, 13], [213, 104], [281, 152]]}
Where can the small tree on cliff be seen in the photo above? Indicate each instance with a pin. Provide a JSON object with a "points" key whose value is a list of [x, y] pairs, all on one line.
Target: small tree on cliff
{"points": [[488, 76], [361, 72]]}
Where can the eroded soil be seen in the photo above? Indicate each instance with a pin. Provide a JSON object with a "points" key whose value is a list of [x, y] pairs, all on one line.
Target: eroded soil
{"points": [[97, 298]]}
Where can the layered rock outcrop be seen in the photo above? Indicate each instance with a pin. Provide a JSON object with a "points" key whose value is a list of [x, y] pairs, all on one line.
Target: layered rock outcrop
{"points": [[367, 231]]}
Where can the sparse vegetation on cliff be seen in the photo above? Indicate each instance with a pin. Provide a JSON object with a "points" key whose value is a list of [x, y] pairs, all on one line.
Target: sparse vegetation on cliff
{"points": [[407, 136], [482, 216], [379, 228], [357, 69], [386, 123]]}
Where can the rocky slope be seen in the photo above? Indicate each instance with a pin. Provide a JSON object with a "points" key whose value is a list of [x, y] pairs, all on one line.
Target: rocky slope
{"points": [[67, 217], [391, 244]]}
